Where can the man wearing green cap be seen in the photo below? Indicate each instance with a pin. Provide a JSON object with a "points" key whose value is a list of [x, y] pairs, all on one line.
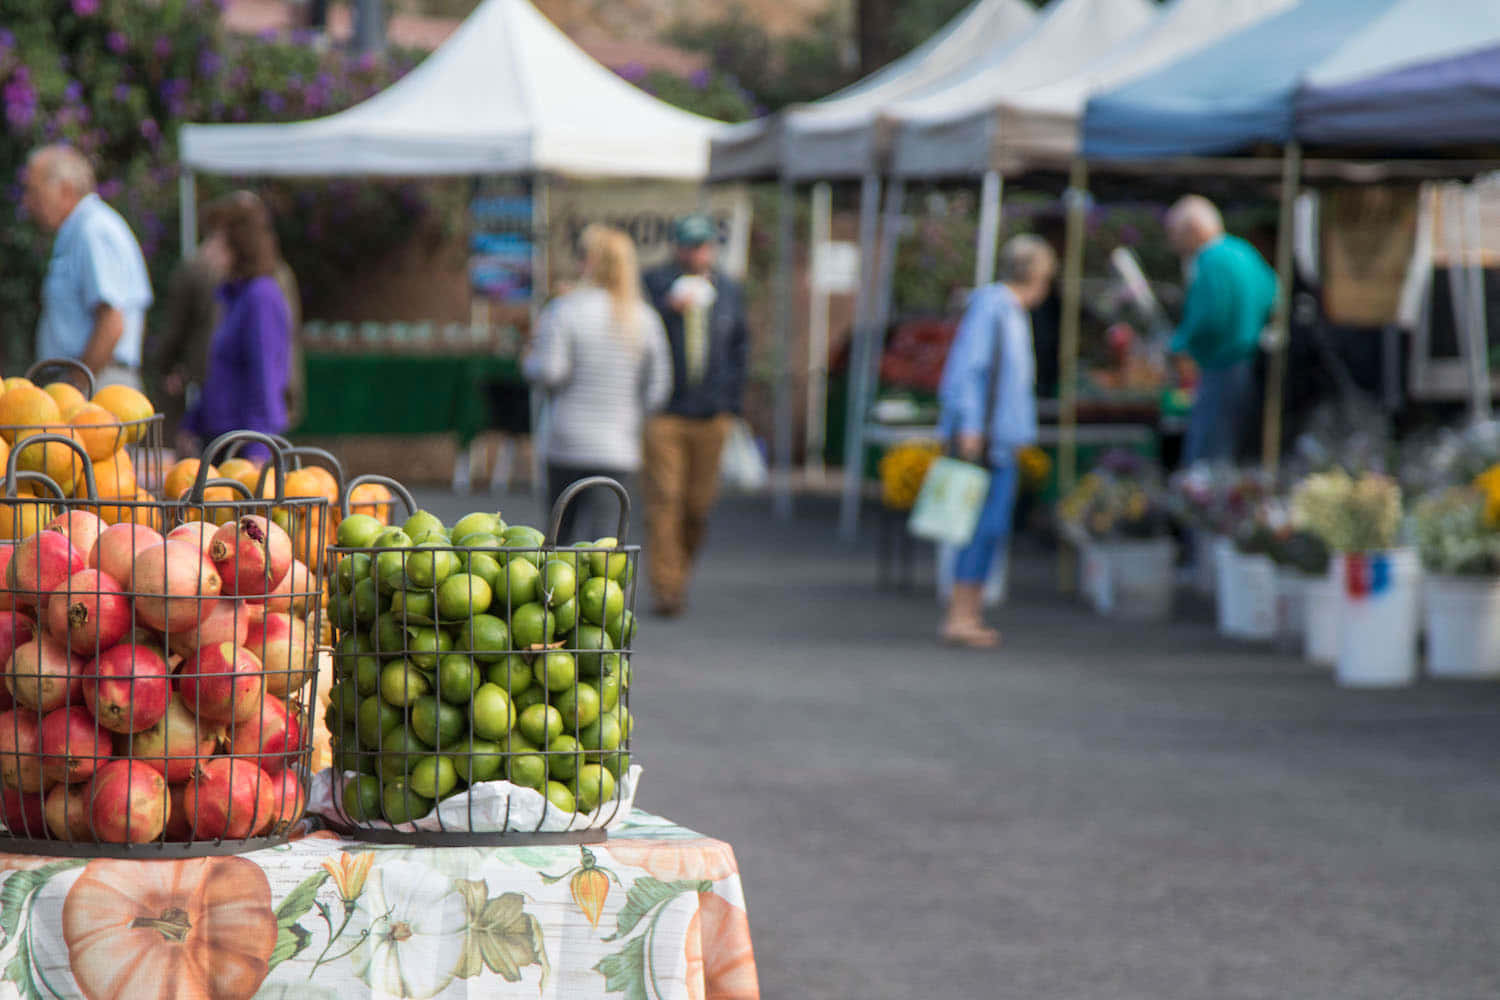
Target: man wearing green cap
{"points": [[704, 315]]}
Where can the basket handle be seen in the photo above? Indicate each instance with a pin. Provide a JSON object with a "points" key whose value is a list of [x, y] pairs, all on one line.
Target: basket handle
{"points": [[396, 489], [568, 495], [25, 475], [233, 450], [232, 484], [194, 494], [74, 363], [11, 472]]}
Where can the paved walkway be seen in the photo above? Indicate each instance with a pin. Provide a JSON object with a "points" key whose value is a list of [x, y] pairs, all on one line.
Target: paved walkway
{"points": [[1096, 811]]}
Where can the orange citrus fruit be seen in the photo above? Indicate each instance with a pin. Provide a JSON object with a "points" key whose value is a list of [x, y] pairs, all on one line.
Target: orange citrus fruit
{"points": [[54, 459], [25, 407], [180, 477], [115, 477], [97, 430], [65, 394], [128, 405]]}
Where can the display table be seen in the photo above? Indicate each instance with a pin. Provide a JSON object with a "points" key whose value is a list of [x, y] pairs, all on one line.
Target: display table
{"points": [[657, 911], [352, 393]]}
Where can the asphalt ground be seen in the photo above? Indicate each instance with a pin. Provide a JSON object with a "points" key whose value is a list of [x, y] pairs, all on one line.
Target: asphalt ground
{"points": [[1096, 810]]}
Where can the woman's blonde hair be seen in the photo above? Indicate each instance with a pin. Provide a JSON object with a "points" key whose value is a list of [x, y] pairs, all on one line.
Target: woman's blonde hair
{"points": [[609, 262]]}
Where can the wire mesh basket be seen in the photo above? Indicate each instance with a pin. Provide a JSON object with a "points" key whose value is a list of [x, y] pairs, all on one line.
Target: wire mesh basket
{"points": [[127, 455], [482, 682], [158, 671]]}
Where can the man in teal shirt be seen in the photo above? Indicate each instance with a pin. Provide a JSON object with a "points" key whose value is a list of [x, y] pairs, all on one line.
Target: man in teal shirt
{"points": [[1230, 294]]}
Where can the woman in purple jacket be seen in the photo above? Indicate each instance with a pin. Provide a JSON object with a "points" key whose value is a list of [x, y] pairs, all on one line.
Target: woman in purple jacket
{"points": [[249, 360]]}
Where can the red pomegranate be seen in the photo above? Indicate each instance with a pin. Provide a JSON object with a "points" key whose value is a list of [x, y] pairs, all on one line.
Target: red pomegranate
{"points": [[196, 533], [7, 599], [43, 674], [118, 545], [40, 565], [128, 689], [15, 630], [90, 613], [20, 764], [174, 746], [128, 802], [23, 812], [222, 683], [227, 620], [285, 649], [66, 810], [80, 527], [252, 555], [272, 738], [172, 581], [296, 591], [288, 799], [230, 798], [73, 745]]}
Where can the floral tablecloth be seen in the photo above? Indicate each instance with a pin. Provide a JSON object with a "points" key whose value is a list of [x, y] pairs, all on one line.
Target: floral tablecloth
{"points": [[656, 913]]}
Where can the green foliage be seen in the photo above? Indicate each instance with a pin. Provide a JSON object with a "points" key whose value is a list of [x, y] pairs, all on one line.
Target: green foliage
{"points": [[709, 92]]}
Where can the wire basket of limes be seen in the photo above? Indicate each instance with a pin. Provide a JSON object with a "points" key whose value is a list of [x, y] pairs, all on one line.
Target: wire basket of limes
{"points": [[481, 678]]}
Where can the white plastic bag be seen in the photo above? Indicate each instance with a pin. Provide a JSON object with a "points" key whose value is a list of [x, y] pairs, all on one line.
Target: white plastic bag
{"points": [[742, 468]]}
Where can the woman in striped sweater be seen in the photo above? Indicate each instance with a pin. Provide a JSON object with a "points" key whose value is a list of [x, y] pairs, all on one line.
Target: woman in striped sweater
{"points": [[601, 355]]}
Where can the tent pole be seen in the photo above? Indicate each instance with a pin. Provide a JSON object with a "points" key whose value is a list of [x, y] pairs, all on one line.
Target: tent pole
{"points": [[187, 221], [1075, 204], [1291, 172], [817, 328], [781, 499], [869, 233], [990, 194]]}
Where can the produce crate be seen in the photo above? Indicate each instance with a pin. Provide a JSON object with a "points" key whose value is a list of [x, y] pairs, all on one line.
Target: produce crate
{"points": [[158, 671], [482, 691]]}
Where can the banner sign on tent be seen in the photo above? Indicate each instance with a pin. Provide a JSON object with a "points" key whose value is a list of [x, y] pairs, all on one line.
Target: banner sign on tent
{"points": [[500, 240], [647, 210]]}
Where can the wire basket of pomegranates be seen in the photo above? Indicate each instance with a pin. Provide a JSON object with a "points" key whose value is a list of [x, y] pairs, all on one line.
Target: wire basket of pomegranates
{"points": [[482, 679], [159, 670]]}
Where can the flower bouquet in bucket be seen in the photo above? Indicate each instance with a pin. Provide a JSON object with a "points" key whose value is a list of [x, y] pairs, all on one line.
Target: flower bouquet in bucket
{"points": [[1458, 536]]}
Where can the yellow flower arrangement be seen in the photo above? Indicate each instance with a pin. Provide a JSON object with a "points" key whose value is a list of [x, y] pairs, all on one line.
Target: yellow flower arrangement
{"points": [[902, 470], [1488, 484], [1035, 467]]}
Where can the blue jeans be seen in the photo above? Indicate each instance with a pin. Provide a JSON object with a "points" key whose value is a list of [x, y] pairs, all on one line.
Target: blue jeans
{"points": [[973, 563], [1226, 398]]}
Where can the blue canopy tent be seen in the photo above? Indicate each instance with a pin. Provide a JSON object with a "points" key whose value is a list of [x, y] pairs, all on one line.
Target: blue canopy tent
{"points": [[1249, 91]]}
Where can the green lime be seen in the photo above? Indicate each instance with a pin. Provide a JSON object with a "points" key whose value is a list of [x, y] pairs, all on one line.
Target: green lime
{"points": [[617, 763], [476, 523], [484, 566], [347, 756], [390, 635], [350, 646], [343, 705], [461, 596], [341, 611], [626, 720], [600, 735], [352, 569], [393, 538], [485, 636], [531, 625], [527, 769], [389, 571], [563, 757], [622, 630], [478, 760], [425, 645], [433, 777], [361, 798], [375, 717], [579, 706], [482, 540], [400, 750], [457, 678], [511, 675], [402, 682], [430, 563], [437, 723], [366, 602], [516, 742], [520, 582], [559, 582], [359, 531], [541, 724], [414, 607], [593, 786], [536, 694], [608, 687], [559, 795], [601, 600], [492, 712], [566, 617], [527, 540], [588, 639], [604, 563], [399, 803], [555, 670], [423, 523]]}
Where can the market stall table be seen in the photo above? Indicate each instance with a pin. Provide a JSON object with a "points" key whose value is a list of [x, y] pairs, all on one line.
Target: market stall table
{"points": [[656, 911], [402, 393]]}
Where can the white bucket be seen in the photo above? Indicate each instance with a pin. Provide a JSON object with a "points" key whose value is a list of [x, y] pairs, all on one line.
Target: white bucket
{"points": [[1141, 579], [1226, 586], [1463, 626], [1094, 572], [1257, 595], [1291, 604], [1378, 598], [1205, 568], [1322, 607]]}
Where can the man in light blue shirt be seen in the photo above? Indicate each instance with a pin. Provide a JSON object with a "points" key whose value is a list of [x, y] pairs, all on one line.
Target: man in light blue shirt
{"points": [[96, 292], [988, 401]]}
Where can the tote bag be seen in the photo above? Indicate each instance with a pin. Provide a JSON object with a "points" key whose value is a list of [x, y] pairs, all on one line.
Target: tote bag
{"points": [[952, 497]]}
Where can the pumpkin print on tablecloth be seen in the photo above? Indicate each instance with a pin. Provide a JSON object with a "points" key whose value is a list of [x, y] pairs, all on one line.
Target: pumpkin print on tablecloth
{"points": [[674, 860], [720, 959], [198, 929], [417, 927]]}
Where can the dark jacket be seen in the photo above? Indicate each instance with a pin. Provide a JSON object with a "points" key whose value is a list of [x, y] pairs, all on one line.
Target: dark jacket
{"points": [[723, 387]]}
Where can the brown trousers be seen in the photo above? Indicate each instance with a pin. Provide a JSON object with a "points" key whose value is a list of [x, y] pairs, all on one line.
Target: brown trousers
{"points": [[681, 473]]}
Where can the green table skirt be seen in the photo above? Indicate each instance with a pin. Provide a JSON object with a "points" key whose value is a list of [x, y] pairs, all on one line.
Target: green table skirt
{"points": [[352, 394]]}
